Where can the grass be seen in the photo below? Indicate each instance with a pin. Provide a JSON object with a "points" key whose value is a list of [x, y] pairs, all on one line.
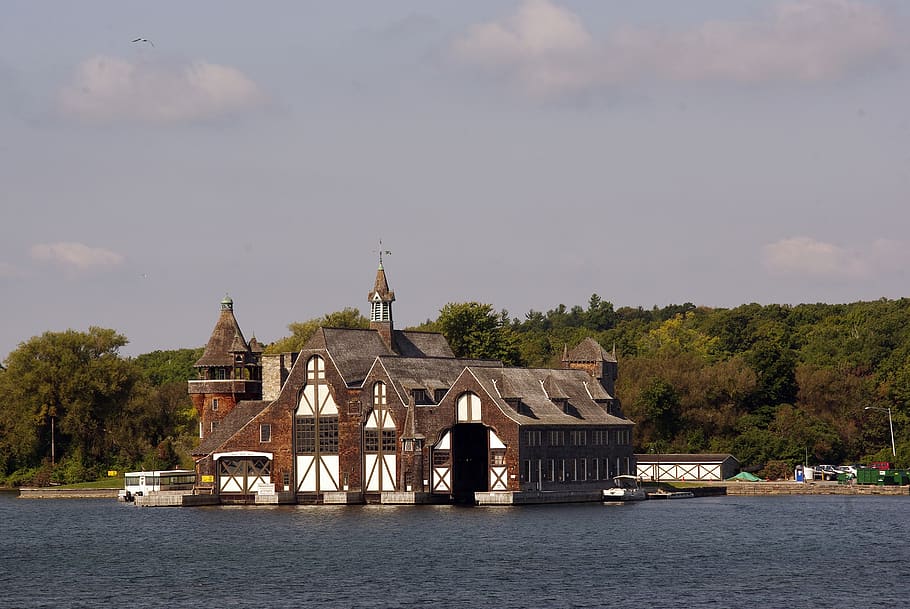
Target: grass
{"points": [[116, 482]]}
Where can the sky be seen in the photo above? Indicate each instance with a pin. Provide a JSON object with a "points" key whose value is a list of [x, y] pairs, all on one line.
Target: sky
{"points": [[155, 157]]}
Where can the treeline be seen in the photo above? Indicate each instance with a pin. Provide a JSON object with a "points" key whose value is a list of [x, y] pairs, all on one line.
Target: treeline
{"points": [[773, 385]]}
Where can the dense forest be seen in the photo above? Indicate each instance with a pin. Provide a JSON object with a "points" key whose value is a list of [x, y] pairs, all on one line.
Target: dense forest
{"points": [[774, 385]]}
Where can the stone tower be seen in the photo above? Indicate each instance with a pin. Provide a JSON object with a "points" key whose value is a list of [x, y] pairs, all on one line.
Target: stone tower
{"points": [[229, 371], [589, 356]]}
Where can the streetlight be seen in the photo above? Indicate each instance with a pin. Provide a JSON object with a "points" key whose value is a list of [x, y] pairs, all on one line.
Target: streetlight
{"points": [[890, 426]]}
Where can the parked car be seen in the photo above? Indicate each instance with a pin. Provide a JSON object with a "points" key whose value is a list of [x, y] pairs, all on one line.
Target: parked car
{"points": [[850, 470], [826, 472]]}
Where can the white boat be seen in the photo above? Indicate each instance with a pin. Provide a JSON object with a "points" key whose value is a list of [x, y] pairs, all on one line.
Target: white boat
{"points": [[625, 488], [671, 495]]}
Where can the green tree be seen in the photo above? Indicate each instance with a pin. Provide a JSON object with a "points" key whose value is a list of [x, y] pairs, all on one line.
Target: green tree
{"points": [[475, 330], [73, 381], [301, 332], [173, 366]]}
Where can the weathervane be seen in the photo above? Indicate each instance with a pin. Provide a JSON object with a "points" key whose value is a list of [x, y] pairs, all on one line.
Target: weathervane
{"points": [[381, 252]]}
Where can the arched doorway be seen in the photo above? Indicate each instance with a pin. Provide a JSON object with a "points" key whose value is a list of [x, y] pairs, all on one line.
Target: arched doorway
{"points": [[470, 461], [469, 457]]}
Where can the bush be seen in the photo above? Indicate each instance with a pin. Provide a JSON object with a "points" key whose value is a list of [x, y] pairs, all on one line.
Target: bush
{"points": [[776, 470]]}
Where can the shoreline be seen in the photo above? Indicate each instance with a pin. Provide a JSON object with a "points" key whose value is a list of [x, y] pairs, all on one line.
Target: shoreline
{"points": [[706, 489]]}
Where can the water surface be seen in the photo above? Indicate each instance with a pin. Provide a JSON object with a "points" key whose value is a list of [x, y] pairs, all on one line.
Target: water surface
{"points": [[767, 552]]}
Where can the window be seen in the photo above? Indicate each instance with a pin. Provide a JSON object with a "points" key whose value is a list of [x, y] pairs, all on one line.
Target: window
{"points": [[305, 434], [468, 408], [420, 396], [379, 395], [265, 432], [439, 394], [213, 425], [533, 438], [498, 457], [549, 472], [578, 437], [328, 434], [556, 438], [316, 420], [600, 437], [371, 440], [440, 458], [214, 404], [388, 441]]}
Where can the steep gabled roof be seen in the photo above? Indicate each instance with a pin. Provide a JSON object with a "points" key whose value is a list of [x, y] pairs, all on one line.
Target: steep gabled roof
{"points": [[222, 341], [577, 387], [352, 350], [242, 414], [430, 373], [355, 350]]}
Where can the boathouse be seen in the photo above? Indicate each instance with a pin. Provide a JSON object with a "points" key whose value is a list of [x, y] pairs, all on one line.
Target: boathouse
{"points": [[380, 414]]}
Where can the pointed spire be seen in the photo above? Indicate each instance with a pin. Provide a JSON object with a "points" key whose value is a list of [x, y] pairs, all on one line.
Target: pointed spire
{"points": [[381, 298]]}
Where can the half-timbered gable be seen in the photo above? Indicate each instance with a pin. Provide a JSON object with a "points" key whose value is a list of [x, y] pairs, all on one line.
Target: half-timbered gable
{"points": [[400, 396], [555, 428]]}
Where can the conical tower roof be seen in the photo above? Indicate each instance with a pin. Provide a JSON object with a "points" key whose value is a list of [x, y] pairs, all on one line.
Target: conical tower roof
{"points": [[381, 287], [226, 339]]}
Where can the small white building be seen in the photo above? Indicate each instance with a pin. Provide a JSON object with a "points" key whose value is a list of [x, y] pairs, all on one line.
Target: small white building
{"points": [[683, 467]]}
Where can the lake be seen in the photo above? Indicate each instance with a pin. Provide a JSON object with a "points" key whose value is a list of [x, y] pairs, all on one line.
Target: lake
{"points": [[767, 552]]}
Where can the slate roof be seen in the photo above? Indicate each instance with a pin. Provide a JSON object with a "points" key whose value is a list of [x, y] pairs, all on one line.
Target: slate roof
{"points": [[531, 385], [411, 343], [430, 373], [589, 350], [355, 350], [684, 458], [381, 287], [242, 414], [222, 341]]}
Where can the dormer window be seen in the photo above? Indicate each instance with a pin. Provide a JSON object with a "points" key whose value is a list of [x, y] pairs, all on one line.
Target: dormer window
{"points": [[420, 396], [439, 394]]}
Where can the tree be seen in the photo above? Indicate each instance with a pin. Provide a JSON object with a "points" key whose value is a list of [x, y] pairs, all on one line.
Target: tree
{"points": [[301, 332], [73, 381], [164, 367], [475, 330]]}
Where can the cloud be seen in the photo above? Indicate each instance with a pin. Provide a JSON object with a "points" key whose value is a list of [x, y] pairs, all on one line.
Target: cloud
{"points": [[547, 50], [76, 256], [804, 256], [112, 90], [10, 271]]}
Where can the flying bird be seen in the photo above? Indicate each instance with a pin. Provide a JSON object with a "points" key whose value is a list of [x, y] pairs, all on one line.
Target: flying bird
{"points": [[145, 40]]}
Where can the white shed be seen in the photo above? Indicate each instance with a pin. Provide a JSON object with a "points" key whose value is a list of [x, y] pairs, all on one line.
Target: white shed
{"points": [[685, 467]]}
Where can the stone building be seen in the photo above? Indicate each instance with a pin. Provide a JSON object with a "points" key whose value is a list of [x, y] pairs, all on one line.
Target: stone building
{"points": [[365, 415]]}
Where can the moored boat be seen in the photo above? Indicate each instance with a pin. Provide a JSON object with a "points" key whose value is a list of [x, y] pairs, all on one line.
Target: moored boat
{"points": [[625, 488]]}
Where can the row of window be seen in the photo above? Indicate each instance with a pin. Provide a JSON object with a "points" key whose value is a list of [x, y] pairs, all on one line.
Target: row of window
{"points": [[573, 470], [579, 437]]}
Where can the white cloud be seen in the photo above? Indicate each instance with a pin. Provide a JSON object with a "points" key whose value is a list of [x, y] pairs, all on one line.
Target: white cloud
{"points": [[804, 256], [76, 256], [548, 50], [108, 89]]}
